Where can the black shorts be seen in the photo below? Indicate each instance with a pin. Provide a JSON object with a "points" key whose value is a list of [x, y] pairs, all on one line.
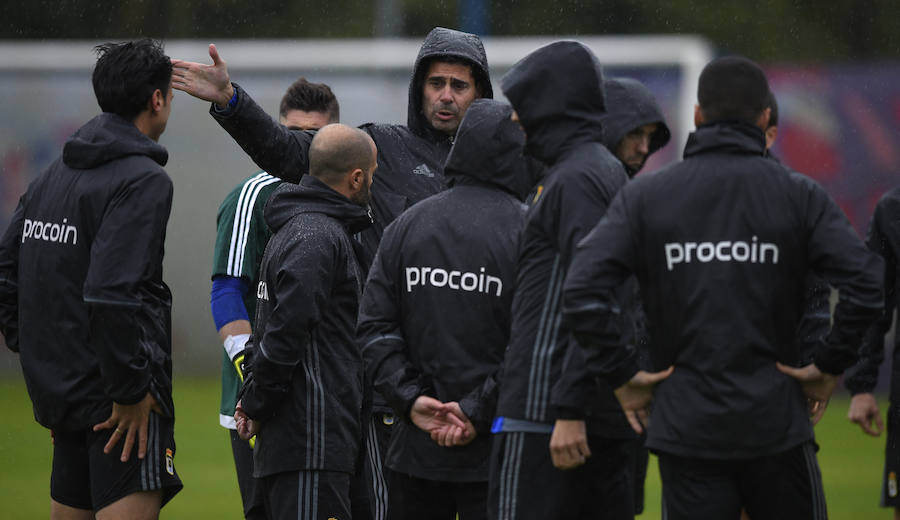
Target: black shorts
{"points": [[890, 493], [415, 498], [378, 437], [786, 485], [307, 495], [525, 485], [84, 477], [251, 495]]}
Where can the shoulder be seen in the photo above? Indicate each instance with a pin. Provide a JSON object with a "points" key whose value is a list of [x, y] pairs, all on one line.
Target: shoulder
{"points": [[386, 131], [252, 190]]}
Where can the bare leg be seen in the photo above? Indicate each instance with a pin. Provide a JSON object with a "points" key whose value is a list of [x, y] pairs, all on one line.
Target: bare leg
{"points": [[143, 505], [62, 512], [744, 515], [897, 513]]}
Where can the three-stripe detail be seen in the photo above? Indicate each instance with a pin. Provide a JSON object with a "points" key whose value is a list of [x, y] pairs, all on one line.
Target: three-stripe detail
{"points": [[509, 475], [150, 465], [243, 214], [539, 383], [379, 487]]}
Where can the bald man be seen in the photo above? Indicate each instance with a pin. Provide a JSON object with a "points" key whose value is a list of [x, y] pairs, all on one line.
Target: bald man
{"points": [[303, 389]]}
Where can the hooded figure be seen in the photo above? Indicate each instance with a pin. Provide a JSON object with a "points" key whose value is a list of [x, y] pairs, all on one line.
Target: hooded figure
{"points": [[631, 106], [305, 381], [435, 317], [410, 158], [557, 92]]}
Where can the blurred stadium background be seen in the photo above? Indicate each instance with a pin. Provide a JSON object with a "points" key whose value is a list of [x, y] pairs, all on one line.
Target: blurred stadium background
{"points": [[835, 71]]}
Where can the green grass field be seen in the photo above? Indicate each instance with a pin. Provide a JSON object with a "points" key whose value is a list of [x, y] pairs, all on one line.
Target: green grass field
{"points": [[851, 462]]}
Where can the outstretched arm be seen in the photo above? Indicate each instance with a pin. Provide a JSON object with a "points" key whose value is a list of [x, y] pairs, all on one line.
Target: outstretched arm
{"points": [[206, 82], [280, 152]]}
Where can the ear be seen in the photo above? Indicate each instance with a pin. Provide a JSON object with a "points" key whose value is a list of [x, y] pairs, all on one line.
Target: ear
{"points": [[698, 116], [357, 177], [157, 101], [771, 136], [764, 117]]}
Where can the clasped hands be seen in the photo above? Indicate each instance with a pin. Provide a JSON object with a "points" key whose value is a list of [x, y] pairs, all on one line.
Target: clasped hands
{"points": [[445, 422]]}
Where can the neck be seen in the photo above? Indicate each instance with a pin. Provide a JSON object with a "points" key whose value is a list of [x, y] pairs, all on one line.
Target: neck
{"points": [[144, 124]]}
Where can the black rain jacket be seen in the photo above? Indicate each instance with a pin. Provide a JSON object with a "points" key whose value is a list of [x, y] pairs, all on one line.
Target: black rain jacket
{"points": [[721, 243], [305, 374], [557, 92], [631, 105], [435, 316], [884, 239], [410, 158], [81, 292]]}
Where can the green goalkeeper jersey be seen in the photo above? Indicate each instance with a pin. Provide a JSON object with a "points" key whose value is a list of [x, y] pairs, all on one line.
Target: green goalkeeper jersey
{"points": [[241, 237]]}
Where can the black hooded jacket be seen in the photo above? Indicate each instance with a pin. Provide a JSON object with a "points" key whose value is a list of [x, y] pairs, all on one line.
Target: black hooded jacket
{"points": [[81, 292], [305, 374], [884, 239], [557, 92], [631, 105], [435, 316], [410, 158], [721, 268]]}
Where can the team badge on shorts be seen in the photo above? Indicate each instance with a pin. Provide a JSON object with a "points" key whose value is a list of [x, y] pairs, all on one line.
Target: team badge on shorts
{"points": [[537, 194], [170, 462], [892, 484], [387, 419]]}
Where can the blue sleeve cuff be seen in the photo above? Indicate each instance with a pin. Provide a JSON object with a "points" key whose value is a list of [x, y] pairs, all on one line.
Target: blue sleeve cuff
{"points": [[226, 300]]}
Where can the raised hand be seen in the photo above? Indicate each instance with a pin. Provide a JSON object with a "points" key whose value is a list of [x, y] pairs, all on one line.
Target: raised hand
{"points": [[817, 386], [635, 396], [568, 444], [206, 82], [864, 412]]}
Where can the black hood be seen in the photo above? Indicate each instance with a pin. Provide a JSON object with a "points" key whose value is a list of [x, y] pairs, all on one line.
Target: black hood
{"points": [[631, 105], [445, 42], [489, 148], [726, 137], [557, 91], [108, 137], [313, 196]]}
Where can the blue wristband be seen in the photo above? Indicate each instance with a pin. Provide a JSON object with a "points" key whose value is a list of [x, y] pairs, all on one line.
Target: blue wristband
{"points": [[233, 101], [227, 300]]}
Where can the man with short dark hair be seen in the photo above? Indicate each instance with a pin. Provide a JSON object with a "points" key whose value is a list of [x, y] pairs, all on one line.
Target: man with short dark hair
{"points": [[303, 391], [241, 238], [83, 301], [721, 243]]}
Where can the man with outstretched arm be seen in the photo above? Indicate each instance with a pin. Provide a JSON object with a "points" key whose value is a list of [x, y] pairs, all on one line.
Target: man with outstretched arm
{"points": [[435, 317], [241, 238], [720, 243], [83, 301]]}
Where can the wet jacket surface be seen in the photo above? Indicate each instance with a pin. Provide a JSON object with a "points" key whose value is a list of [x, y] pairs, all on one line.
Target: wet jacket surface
{"points": [[722, 269], [884, 239], [82, 297], [410, 157], [631, 105], [435, 316], [557, 93], [305, 382]]}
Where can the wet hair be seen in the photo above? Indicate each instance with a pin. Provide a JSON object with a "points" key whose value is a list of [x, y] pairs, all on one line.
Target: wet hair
{"points": [[773, 109], [338, 149], [477, 74], [310, 97], [127, 74], [732, 88]]}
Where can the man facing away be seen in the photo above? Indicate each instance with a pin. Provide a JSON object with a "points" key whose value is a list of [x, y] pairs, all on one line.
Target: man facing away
{"points": [[303, 393], [721, 243], [83, 301], [435, 317], [634, 128], [241, 238], [883, 239], [557, 93]]}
